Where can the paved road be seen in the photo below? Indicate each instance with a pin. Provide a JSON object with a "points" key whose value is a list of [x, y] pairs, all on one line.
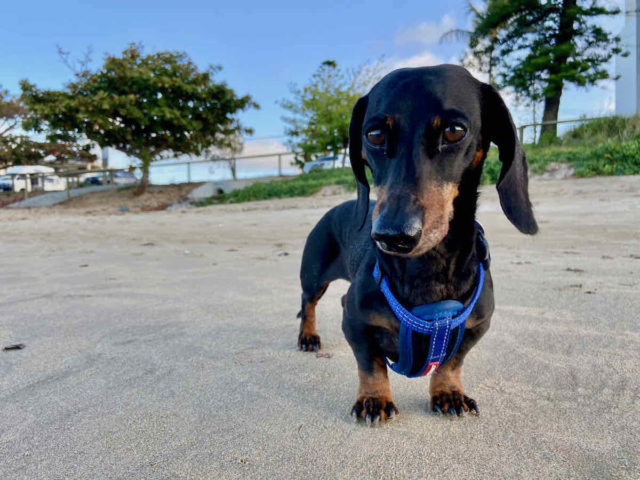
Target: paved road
{"points": [[162, 346], [53, 198]]}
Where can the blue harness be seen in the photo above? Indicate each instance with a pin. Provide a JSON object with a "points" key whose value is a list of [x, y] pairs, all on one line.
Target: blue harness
{"points": [[439, 325]]}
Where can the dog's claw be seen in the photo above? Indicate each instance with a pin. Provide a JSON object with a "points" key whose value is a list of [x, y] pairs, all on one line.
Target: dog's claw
{"points": [[309, 342], [453, 404], [373, 411], [473, 406]]}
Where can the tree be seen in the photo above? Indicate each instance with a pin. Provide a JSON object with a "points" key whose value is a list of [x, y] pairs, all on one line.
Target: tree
{"points": [[11, 113], [18, 149], [482, 49], [320, 113], [147, 106], [227, 154], [538, 46], [21, 150]]}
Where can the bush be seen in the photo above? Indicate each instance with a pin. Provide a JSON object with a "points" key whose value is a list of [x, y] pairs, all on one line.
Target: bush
{"points": [[303, 185], [610, 158], [596, 132]]}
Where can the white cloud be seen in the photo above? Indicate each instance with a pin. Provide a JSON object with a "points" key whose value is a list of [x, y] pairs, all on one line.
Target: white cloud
{"points": [[263, 146], [422, 59], [425, 33]]}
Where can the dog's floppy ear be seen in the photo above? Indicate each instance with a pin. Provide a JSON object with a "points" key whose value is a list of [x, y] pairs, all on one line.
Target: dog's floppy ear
{"points": [[358, 164], [513, 184]]}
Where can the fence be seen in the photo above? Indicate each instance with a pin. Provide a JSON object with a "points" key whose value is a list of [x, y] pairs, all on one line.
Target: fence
{"points": [[277, 164], [248, 166], [522, 128]]}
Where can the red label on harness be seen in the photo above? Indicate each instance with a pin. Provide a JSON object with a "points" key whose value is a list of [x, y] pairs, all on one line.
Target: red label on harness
{"points": [[431, 368]]}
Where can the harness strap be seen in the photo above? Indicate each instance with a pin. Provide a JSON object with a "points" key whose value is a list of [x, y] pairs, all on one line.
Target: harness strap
{"points": [[436, 321], [426, 325]]}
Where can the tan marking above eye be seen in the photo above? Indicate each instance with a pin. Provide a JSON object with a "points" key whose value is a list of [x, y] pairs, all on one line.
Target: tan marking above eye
{"points": [[454, 132], [376, 137]]}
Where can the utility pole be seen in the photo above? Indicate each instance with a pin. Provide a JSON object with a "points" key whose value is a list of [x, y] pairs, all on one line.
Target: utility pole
{"points": [[628, 68]]}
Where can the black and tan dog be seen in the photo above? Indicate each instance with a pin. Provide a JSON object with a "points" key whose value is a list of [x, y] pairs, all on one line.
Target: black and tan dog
{"points": [[424, 133]]}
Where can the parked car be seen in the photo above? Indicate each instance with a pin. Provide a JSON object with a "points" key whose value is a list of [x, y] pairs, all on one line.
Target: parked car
{"points": [[323, 163], [33, 178], [124, 177], [93, 180], [6, 184], [120, 177], [53, 183]]}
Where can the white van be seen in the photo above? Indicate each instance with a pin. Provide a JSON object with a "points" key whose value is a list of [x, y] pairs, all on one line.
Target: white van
{"points": [[34, 178]]}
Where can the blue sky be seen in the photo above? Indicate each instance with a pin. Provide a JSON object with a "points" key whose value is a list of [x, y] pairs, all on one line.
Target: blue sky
{"points": [[262, 46]]}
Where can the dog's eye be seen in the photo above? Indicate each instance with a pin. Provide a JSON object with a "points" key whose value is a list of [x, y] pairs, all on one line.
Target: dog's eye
{"points": [[454, 132], [376, 137]]}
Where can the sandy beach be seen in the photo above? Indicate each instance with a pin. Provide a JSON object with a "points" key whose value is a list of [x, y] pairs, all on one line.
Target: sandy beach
{"points": [[162, 345]]}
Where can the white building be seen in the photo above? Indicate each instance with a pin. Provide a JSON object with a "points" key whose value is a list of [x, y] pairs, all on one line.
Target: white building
{"points": [[628, 68]]}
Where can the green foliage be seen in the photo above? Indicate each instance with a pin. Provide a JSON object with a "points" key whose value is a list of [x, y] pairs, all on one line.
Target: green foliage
{"points": [[300, 186], [320, 112], [595, 132], [11, 112], [611, 157], [19, 149], [535, 47], [491, 169], [147, 106], [547, 43]]}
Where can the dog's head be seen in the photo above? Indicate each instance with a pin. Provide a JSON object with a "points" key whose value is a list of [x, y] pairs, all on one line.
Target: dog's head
{"points": [[420, 131]]}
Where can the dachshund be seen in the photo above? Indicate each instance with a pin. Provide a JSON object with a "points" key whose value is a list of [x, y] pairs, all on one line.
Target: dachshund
{"points": [[424, 134]]}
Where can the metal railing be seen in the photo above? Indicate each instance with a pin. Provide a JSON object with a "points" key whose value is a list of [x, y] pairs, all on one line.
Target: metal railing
{"points": [[273, 165], [73, 177], [35, 182], [278, 168], [521, 128]]}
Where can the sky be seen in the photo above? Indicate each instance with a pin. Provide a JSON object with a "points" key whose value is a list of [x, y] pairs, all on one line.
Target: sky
{"points": [[263, 47]]}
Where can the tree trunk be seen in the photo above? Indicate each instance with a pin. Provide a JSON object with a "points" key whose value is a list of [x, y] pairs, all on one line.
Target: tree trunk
{"points": [[535, 120], [549, 132], [146, 161], [232, 167], [553, 92]]}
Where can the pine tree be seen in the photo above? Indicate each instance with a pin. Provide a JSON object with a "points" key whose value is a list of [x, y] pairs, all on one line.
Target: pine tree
{"points": [[539, 46]]}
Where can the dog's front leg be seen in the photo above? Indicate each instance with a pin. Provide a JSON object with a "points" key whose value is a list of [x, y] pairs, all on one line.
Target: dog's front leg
{"points": [[445, 388], [374, 402]]}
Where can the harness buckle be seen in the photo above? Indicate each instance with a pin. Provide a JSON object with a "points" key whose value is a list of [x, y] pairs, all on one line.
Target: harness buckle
{"points": [[431, 368]]}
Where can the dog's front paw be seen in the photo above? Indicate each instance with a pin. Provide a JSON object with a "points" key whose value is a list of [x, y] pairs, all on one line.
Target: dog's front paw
{"points": [[373, 410], [453, 403], [309, 342]]}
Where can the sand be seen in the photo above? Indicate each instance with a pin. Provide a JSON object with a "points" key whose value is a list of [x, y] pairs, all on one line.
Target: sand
{"points": [[161, 345]]}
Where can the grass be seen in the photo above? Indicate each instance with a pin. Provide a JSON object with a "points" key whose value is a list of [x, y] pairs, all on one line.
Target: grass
{"points": [[615, 128], [303, 185], [609, 146]]}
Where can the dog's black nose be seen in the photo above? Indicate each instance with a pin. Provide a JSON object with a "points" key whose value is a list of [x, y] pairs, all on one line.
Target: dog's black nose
{"points": [[396, 240]]}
